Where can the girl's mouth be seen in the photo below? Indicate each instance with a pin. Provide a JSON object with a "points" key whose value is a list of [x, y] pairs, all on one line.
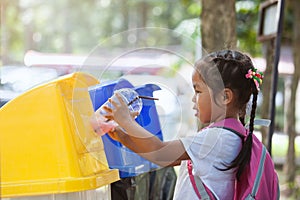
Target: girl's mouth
{"points": [[196, 109]]}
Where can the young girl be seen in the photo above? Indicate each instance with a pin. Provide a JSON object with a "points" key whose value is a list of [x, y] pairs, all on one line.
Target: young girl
{"points": [[223, 82]]}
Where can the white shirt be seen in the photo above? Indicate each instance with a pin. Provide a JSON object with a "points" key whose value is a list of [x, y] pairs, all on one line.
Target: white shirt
{"points": [[210, 148]]}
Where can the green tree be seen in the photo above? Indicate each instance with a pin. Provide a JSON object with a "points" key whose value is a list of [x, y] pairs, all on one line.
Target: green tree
{"points": [[247, 13]]}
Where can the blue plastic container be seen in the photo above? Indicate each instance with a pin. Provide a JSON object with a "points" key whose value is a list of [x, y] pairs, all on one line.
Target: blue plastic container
{"points": [[118, 156]]}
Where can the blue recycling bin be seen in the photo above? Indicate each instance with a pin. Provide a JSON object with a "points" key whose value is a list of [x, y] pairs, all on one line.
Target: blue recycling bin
{"points": [[118, 156]]}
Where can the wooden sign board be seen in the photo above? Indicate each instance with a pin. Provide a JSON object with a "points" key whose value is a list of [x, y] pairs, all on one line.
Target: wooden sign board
{"points": [[268, 20]]}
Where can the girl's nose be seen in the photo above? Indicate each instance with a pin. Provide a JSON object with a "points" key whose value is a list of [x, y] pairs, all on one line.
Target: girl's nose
{"points": [[194, 98]]}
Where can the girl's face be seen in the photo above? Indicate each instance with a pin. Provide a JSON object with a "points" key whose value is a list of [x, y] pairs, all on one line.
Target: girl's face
{"points": [[206, 109]]}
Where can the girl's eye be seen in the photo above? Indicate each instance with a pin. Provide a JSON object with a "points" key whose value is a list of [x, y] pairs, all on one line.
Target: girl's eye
{"points": [[197, 91]]}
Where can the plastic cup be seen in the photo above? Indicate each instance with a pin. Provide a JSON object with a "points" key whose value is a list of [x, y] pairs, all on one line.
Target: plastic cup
{"points": [[101, 125], [131, 98]]}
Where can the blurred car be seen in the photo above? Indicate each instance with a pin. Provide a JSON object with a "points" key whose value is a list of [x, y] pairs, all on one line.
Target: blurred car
{"points": [[15, 80]]}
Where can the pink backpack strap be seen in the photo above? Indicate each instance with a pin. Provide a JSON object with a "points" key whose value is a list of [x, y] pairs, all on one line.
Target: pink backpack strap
{"points": [[199, 187], [258, 175], [231, 124]]}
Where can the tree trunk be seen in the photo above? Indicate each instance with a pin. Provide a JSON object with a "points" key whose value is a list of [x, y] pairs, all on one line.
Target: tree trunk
{"points": [[143, 7], [125, 14], [290, 166], [266, 87], [218, 23]]}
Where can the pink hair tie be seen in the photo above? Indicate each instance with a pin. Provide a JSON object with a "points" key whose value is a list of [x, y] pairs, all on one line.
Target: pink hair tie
{"points": [[256, 76]]}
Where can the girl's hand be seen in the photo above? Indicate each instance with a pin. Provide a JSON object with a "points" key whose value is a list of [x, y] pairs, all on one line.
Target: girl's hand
{"points": [[120, 113], [100, 124], [116, 133]]}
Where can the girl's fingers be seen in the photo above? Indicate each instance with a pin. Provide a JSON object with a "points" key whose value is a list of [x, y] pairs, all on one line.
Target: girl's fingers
{"points": [[107, 109], [108, 117], [113, 102], [120, 101], [116, 132], [134, 114]]}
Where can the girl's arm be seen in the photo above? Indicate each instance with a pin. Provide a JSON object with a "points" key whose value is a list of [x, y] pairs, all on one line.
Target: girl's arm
{"points": [[143, 142]]}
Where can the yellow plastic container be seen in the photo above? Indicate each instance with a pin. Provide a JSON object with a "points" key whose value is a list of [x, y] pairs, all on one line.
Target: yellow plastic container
{"points": [[47, 144]]}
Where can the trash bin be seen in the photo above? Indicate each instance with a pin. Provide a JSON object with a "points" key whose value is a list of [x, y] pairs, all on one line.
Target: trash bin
{"points": [[158, 184], [120, 157], [140, 179], [48, 147]]}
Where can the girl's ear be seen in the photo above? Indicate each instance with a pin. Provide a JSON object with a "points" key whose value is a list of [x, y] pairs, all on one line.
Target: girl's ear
{"points": [[228, 96]]}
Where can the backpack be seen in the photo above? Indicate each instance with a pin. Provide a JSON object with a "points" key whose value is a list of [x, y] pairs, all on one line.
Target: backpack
{"points": [[259, 179]]}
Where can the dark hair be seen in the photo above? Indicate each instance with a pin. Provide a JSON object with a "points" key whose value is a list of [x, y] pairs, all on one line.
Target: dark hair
{"points": [[231, 67]]}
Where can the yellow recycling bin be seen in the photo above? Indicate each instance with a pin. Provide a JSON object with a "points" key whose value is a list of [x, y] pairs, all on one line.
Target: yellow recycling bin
{"points": [[47, 144]]}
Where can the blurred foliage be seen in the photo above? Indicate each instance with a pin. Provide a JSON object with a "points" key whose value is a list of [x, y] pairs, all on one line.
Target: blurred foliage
{"points": [[74, 26], [247, 25]]}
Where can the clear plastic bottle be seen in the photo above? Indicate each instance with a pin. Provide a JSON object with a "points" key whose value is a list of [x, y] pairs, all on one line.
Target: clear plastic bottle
{"points": [[103, 125]]}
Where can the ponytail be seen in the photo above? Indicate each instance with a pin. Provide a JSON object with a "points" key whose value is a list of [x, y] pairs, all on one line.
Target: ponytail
{"points": [[245, 154]]}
